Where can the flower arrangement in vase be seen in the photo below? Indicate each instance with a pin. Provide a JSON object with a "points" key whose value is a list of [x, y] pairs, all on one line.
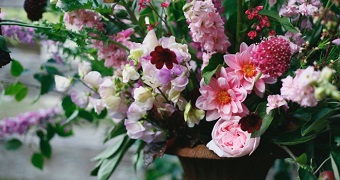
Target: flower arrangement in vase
{"points": [[230, 75]]}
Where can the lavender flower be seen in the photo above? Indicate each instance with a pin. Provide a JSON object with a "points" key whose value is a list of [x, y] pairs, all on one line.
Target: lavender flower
{"points": [[23, 122]]}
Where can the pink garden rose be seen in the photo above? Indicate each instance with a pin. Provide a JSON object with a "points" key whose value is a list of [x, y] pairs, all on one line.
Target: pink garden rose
{"points": [[229, 140]]}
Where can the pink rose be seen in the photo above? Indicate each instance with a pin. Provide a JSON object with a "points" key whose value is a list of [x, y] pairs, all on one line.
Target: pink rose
{"points": [[228, 139]]}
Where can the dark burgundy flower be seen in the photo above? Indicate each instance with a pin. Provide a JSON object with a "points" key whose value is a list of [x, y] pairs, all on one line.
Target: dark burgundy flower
{"points": [[251, 122], [161, 56], [5, 58], [34, 9]]}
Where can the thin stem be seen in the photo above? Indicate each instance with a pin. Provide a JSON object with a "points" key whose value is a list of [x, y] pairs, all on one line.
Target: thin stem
{"points": [[316, 171], [290, 153], [330, 42], [239, 24], [163, 20], [258, 77], [167, 100], [132, 17], [23, 25]]}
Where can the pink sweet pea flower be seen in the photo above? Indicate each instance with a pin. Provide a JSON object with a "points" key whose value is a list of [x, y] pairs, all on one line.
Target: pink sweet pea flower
{"points": [[229, 140], [241, 64], [222, 98]]}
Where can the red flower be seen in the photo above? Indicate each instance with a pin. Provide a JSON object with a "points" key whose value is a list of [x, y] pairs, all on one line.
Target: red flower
{"points": [[161, 56], [250, 123]]}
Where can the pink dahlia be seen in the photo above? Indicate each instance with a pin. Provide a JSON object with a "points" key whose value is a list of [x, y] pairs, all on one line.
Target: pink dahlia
{"points": [[243, 66], [272, 56], [222, 98]]}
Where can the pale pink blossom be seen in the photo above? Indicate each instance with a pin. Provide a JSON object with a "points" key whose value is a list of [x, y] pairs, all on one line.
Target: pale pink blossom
{"points": [[143, 130], [80, 98], [93, 79], [62, 83], [276, 101], [82, 18], [97, 104], [300, 89], [241, 64], [229, 140], [222, 98]]}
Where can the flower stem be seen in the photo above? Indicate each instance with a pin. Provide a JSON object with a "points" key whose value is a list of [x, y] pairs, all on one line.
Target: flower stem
{"points": [[290, 153], [132, 17], [239, 24], [321, 165]]}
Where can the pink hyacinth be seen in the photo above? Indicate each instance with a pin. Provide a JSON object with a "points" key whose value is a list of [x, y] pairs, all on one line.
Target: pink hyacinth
{"points": [[222, 98], [82, 18], [207, 27], [272, 56]]}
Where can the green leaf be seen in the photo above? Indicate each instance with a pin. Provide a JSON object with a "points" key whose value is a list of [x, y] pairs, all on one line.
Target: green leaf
{"points": [[302, 159], [16, 68], [110, 150], [86, 115], [13, 144], [68, 106], [71, 5], [293, 137], [63, 130], [45, 148], [18, 90], [117, 130], [318, 121], [101, 115], [38, 160], [215, 63], [46, 82], [335, 160], [72, 116], [21, 94], [304, 173], [109, 165], [50, 131], [284, 21], [266, 121]]}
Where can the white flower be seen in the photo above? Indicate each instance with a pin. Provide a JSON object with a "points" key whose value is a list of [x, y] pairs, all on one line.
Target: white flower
{"points": [[97, 104], [107, 91], [62, 83], [129, 73], [93, 79], [150, 41], [193, 115], [84, 67], [143, 97]]}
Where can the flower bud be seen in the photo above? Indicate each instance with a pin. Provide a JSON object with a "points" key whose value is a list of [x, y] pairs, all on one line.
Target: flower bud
{"points": [[326, 74]]}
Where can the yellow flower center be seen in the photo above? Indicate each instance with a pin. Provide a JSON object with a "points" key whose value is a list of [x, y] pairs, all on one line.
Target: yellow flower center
{"points": [[223, 97], [249, 70]]}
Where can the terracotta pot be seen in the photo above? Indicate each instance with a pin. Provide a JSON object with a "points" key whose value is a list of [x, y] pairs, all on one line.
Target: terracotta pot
{"points": [[199, 163]]}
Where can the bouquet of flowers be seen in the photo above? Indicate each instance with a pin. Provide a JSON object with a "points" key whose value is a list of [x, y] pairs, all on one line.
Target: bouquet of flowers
{"points": [[227, 74]]}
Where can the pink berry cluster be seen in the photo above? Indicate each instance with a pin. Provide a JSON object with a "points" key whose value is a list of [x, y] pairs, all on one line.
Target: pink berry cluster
{"points": [[262, 22]]}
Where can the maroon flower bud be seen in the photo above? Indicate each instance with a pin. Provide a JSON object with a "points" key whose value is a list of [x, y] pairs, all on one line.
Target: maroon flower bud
{"points": [[250, 123], [34, 9], [161, 56]]}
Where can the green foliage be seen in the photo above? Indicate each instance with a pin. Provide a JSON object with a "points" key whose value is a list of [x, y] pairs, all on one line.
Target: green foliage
{"points": [[335, 159], [284, 21], [45, 148], [16, 68], [318, 122], [13, 144], [18, 90], [293, 137], [107, 165], [215, 63], [266, 121], [167, 167], [69, 107], [38, 160]]}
